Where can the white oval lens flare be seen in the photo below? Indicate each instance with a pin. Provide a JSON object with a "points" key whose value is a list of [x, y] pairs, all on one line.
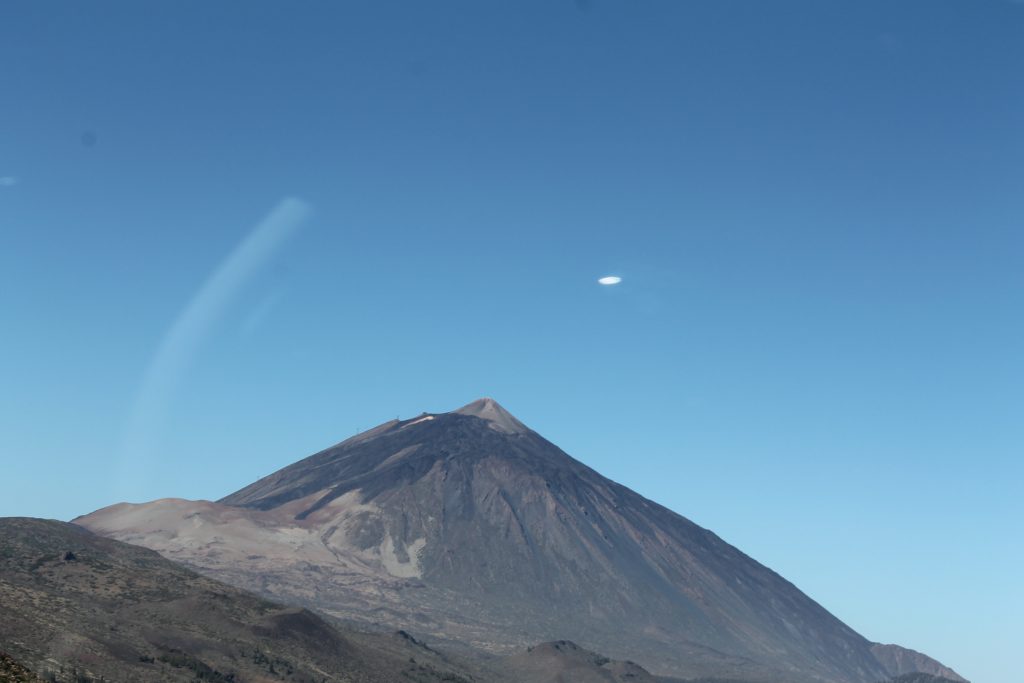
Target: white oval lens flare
{"points": [[610, 280]]}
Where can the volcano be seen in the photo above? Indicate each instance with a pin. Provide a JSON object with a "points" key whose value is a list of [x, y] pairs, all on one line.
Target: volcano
{"points": [[470, 529]]}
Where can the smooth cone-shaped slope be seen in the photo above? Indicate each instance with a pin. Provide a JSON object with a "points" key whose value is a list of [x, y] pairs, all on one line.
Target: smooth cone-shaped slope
{"points": [[502, 517], [469, 526]]}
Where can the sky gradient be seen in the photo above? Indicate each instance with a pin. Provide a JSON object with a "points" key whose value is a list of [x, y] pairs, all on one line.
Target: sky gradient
{"points": [[304, 220]]}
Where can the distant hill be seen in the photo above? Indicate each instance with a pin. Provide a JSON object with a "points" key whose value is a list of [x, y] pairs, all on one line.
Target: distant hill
{"points": [[900, 660], [563, 660], [919, 677]]}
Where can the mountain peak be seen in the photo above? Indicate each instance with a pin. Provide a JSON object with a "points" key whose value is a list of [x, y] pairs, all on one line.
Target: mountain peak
{"points": [[490, 410], [468, 526]]}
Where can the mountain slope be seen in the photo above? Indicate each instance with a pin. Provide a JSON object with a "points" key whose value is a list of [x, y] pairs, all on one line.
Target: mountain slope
{"points": [[80, 607], [469, 526], [563, 660], [900, 660]]}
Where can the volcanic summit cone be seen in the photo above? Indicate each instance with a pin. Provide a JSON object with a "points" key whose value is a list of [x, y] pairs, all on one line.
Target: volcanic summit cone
{"points": [[469, 527]]}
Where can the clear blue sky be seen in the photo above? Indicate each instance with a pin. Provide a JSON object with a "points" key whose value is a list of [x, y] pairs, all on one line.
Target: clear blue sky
{"points": [[817, 207]]}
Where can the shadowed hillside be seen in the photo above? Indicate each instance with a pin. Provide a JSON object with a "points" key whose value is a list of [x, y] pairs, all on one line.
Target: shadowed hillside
{"points": [[79, 607]]}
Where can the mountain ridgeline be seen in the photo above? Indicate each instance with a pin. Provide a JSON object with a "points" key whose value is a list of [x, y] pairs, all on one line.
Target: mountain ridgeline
{"points": [[471, 529]]}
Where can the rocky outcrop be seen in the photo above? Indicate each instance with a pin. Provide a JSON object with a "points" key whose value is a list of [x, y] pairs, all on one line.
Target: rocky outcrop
{"points": [[900, 660]]}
